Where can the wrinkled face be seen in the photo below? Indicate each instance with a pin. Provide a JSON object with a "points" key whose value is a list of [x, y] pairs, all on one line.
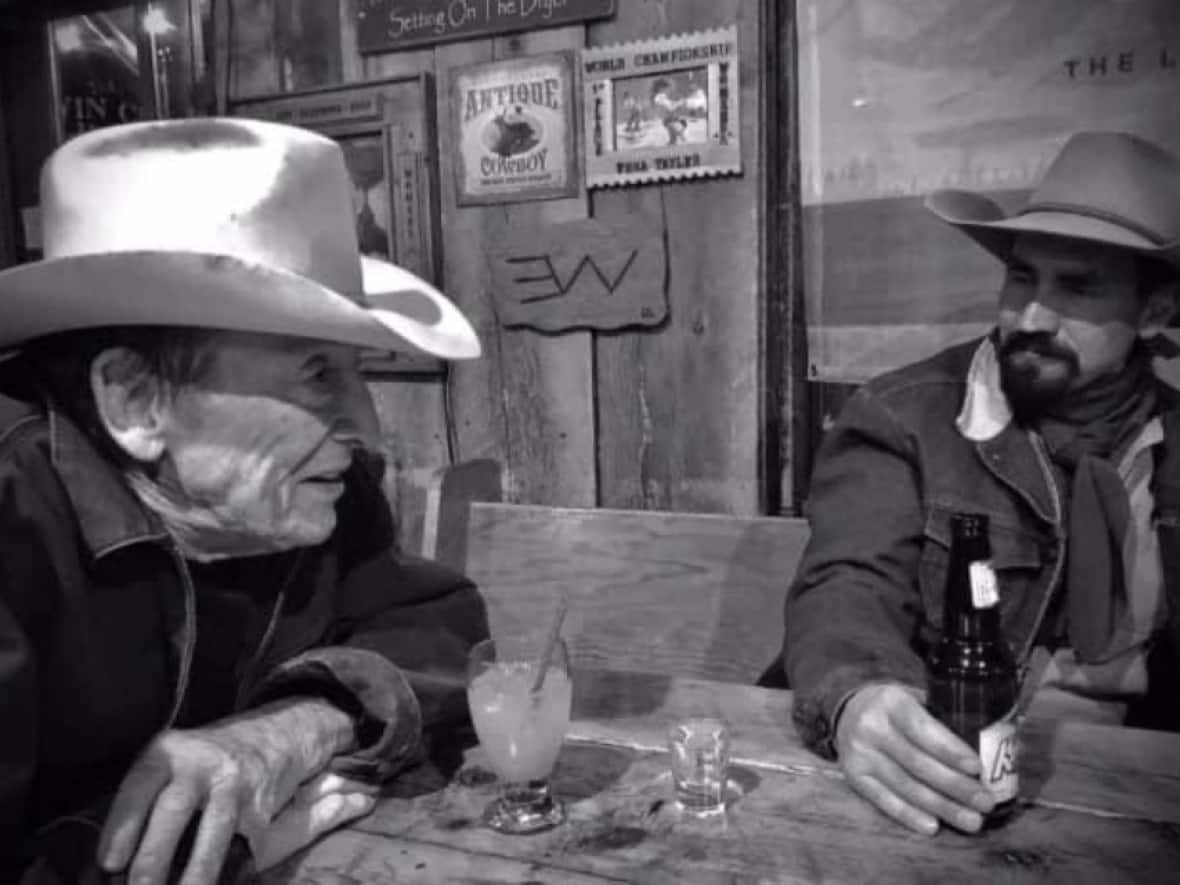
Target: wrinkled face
{"points": [[1069, 313], [261, 442]]}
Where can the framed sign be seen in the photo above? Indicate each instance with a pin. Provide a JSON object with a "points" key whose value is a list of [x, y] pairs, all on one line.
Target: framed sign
{"points": [[514, 128], [386, 130], [389, 25], [662, 109]]}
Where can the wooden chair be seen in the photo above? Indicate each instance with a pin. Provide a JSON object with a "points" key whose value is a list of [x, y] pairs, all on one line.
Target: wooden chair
{"points": [[677, 594]]}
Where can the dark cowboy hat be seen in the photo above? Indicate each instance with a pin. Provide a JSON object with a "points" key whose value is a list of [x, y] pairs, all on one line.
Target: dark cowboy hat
{"points": [[1103, 187]]}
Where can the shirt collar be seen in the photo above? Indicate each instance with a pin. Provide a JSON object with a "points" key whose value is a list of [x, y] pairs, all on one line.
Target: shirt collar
{"points": [[109, 514], [985, 412]]}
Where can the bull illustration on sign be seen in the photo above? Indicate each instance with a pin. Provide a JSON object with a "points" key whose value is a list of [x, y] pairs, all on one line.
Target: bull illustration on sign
{"points": [[581, 275]]}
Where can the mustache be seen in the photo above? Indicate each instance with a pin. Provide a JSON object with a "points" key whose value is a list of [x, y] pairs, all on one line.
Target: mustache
{"points": [[1039, 343]]}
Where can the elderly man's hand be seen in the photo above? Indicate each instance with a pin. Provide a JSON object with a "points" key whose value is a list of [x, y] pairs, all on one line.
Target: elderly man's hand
{"points": [[238, 773], [907, 763]]}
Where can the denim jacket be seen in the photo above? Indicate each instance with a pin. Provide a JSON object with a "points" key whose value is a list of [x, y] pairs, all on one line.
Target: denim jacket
{"points": [[866, 602], [100, 648]]}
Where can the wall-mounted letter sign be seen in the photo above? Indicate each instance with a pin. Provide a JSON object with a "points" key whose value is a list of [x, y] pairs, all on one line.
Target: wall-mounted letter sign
{"points": [[386, 25], [580, 275]]}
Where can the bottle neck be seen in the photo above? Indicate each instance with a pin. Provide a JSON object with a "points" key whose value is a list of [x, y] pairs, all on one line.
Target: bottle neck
{"points": [[970, 623], [971, 615]]}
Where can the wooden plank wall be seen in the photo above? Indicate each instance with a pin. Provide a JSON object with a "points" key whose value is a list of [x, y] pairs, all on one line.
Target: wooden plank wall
{"points": [[667, 418]]}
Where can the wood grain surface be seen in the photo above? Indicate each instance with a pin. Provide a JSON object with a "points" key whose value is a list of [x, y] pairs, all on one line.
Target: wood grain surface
{"points": [[790, 816], [672, 593], [678, 406]]}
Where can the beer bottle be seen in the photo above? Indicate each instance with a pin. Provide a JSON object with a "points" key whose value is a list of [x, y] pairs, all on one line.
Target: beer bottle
{"points": [[972, 674]]}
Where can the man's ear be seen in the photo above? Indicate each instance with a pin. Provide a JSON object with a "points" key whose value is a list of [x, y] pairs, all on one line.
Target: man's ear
{"points": [[131, 402], [1161, 306]]}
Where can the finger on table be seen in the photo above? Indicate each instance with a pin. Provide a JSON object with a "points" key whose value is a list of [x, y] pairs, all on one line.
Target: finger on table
{"points": [[214, 833], [128, 814], [170, 816]]}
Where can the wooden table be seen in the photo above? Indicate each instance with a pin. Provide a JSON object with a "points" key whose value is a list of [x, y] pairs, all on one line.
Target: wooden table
{"points": [[1102, 804]]}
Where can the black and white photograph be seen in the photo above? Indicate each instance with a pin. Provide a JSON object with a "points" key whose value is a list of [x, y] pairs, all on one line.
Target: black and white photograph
{"points": [[585, 442]]}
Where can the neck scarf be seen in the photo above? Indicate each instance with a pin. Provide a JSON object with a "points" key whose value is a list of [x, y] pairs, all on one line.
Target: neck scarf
{"points": [[1086, 434]]}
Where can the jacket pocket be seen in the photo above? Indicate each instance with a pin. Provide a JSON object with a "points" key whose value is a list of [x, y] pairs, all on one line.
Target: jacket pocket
{"points": [[1020, 558]]}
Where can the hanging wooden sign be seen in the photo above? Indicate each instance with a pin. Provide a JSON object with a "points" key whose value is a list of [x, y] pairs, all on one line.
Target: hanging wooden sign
{"points": [[387, 25], [580, 275]]}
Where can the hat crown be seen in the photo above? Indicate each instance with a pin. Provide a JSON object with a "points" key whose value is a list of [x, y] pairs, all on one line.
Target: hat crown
{"points": [[260, 192], [1114, 177]]}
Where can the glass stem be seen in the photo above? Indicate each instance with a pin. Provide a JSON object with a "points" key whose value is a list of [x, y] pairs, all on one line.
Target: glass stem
{"points": [[527, 793]]}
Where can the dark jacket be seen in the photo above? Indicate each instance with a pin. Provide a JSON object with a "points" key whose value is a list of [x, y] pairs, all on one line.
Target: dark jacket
{"points": [[108, 636], [866, 602]]}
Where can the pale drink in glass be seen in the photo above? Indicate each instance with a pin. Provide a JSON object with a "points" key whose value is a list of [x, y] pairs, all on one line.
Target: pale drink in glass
{"points": [[520, 730]]}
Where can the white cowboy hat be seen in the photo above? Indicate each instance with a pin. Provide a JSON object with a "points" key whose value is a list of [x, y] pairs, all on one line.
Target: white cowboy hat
{"points": [[1103, 187], [221, 223]]}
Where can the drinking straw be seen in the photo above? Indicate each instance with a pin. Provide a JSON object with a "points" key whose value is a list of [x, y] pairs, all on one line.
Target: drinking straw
{"points": [[550, 644]]}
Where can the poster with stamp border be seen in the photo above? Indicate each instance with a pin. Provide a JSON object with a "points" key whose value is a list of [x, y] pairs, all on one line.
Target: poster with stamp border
{"points": [[662, 109], [515, 130]]}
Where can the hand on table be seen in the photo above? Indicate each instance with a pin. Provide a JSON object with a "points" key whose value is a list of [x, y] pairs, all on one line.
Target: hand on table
{"points": [[324, 803], [240, 774], [908, 764]]}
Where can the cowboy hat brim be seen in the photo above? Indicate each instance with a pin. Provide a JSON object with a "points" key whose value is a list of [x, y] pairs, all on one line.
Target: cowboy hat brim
{"points": [[169, 288], [984, 221]]}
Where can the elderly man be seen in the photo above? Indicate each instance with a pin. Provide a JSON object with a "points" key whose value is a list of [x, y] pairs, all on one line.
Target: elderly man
{"points": [[1055, 426], [206, 628]]}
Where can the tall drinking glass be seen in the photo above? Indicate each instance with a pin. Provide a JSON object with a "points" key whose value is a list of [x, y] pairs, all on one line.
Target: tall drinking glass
{"points": [[520, 730]]}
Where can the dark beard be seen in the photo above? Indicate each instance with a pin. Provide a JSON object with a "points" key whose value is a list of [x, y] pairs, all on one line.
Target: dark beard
{"points": [[1030, 392]]}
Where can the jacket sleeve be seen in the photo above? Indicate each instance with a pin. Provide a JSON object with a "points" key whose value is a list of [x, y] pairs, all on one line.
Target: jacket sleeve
{"points": [[855, 603], [395, 654], [18, 713]]}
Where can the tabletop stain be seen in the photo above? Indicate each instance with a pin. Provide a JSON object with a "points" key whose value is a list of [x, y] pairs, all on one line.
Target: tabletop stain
{"points": [[612, 839], [1018, 857]]}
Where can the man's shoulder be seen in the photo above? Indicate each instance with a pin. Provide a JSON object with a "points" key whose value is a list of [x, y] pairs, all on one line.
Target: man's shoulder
{"points": [[20, 419], [942, 375]]}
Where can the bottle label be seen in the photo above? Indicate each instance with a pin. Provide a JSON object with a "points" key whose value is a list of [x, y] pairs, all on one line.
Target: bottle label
{"points": [[997, 755], [984, 592]]}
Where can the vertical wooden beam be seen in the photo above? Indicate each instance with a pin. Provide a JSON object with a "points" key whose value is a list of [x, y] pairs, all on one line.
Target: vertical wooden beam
{"points": [[548, 380], [785, 451], [678, 405], [528, 403]]}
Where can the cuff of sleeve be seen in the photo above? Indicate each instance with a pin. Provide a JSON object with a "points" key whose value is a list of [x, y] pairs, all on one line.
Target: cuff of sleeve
{"points": [[386, 719], [816, 714]]}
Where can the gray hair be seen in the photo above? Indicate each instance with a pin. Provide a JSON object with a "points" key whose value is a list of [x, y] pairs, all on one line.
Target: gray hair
{"points": [[60, 363]]}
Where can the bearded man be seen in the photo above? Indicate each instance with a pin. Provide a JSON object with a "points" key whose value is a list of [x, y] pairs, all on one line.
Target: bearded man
{"points": [[1055, 426], [208, 637]]}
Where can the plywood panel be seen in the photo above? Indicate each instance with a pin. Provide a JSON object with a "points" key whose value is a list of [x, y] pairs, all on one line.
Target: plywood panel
{"points": [[678, 406], [684, 594], [529, 402]]}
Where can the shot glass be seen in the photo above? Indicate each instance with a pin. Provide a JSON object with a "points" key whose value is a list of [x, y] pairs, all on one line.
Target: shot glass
{"points": [[699, 752]]}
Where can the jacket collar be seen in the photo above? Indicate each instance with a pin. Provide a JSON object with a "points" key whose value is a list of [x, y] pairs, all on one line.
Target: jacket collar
{"points": [[986, 419], [109, 514]]}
